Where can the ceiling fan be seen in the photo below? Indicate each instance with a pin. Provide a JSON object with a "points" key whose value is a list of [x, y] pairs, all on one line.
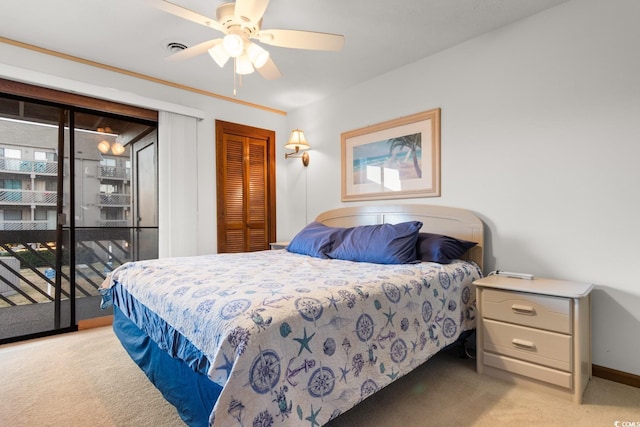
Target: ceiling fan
{"points": [[241, 22]]}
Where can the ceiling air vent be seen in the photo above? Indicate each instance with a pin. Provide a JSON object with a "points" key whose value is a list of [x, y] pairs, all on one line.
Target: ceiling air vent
{"points": [[175, 47]]}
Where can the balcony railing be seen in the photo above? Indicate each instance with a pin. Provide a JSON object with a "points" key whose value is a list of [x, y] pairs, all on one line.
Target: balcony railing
{"points": [[28, 273], [114, 199], [38, 167], [30, 281], [113, 172], [113, 223], [26, 225], [27, 197]]}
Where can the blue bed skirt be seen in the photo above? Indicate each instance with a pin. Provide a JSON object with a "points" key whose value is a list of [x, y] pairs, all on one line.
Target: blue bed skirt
{"points": [[192, 393]]}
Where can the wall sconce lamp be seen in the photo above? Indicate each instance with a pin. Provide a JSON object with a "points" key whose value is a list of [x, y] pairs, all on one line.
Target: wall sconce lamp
{"points": [[297, 142]]}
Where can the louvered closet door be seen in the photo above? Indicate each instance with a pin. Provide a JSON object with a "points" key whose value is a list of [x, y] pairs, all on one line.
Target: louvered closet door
{"points": [[246, 202]]}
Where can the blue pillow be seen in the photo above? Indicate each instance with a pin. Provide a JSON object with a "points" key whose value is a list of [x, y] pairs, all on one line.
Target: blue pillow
{"points": [[380, 244], [440, 249], [315, 240]]}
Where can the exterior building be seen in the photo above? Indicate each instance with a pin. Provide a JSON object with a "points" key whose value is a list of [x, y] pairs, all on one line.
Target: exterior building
{"points": [[28, 179]]}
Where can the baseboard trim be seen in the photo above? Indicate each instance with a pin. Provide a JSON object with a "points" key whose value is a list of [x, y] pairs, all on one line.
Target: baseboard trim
{"points": [[615, 375], [95, 322]]}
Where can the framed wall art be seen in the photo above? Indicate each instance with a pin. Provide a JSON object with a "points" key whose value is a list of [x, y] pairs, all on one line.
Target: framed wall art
{"points": [[396, 159]]}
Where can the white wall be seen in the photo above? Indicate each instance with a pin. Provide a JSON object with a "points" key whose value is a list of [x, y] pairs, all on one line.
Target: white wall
{"points": [[540, 137], [194, 158]]}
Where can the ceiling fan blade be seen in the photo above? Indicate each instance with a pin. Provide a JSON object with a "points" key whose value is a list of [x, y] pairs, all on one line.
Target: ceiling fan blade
{"points": [[250, 10], [269, 71], [302, 39], [187, 14], [196, 50]]}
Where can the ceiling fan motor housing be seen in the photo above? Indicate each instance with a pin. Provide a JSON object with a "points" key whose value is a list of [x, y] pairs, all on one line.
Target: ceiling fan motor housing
{"points": [[227, 18]]}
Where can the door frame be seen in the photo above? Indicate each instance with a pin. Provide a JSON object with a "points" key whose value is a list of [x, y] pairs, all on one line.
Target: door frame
{"points": [[223, 128], [148, 141]]}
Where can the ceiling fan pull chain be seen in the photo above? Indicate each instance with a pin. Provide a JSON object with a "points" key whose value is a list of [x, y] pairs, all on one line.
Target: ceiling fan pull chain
{"points": [[234, 76]]}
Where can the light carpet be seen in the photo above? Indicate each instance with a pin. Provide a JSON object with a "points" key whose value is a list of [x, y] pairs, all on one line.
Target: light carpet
{"points": [[87, 379]]}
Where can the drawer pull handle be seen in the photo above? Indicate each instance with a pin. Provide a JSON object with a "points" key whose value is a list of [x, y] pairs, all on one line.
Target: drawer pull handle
{"points": [[527, 345], [523, 309]]}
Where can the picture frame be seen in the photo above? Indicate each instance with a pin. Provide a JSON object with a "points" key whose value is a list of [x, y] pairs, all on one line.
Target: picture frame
{"points": [[396, 159]]}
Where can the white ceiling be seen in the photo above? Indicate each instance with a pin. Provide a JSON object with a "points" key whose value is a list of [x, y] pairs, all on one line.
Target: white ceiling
{"points": [[380, 36]]}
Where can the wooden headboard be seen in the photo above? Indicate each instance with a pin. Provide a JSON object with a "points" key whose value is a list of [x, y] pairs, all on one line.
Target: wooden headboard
{"points": [[454, 222]]}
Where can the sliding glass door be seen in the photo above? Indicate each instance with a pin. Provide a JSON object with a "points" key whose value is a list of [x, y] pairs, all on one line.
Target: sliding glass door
{"points": [[67, 211]]}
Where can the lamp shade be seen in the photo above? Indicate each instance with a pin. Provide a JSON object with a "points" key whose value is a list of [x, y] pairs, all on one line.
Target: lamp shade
{"points": [[104, 146], [297, 141], [257, 54], [233, 44], [243, 65], [219, 54], [117, 148]]}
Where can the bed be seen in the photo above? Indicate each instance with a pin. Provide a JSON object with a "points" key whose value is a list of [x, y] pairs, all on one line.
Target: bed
{"points": [[280, 337]]}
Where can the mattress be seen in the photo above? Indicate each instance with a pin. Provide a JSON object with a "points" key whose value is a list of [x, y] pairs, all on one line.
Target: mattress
{"points": [[289, 338]]}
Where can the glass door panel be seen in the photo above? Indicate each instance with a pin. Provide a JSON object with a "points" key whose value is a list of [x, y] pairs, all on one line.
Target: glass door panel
{"points": [[35, 291], [145, 207], [104, 225]]}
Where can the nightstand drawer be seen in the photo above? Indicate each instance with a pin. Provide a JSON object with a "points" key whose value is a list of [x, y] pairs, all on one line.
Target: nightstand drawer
{"points": [[543, 347], [539, 373], [538, 311]]}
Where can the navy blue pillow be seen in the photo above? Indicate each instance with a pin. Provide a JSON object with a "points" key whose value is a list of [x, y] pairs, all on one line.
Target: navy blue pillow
{"points": [[380, 244], [440, 249], [315, 240]]}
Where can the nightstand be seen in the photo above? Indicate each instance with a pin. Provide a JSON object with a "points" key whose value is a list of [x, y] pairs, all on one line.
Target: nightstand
{"points": [[278, 245], [535, 333]]}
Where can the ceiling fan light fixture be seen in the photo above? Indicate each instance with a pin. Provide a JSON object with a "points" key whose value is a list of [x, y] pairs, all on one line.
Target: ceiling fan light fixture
{"points": [[219, 54], [257, 54], [244, 65], [240, 22], [233, 44]]}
